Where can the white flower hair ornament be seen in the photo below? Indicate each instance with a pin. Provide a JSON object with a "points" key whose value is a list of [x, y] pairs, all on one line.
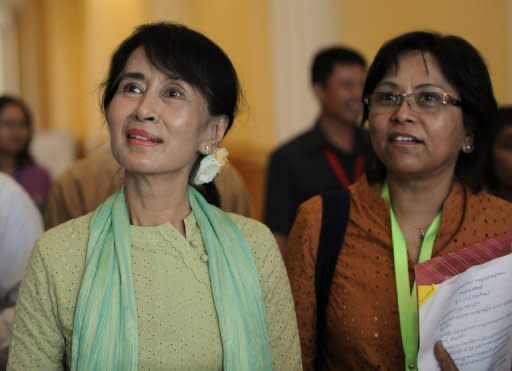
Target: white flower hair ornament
{"points": [[210, 166]]}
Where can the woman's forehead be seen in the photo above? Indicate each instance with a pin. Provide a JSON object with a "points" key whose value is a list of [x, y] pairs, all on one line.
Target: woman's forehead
{"points": [[418, 68], [138, 66], [418, 61], [138, 61]]}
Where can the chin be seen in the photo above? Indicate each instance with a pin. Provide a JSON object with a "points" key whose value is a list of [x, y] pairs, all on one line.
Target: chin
{"points": [[406, 170], [351, 120], [139, 167]]}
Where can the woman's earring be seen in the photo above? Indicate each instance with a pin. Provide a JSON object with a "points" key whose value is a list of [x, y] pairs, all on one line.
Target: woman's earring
{"points": [[205, 149], [468, 144], [468, 148]]}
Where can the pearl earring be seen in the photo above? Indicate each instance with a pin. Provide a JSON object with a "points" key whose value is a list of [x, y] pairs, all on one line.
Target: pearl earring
{"points": [[206, 149], [468, 148]]}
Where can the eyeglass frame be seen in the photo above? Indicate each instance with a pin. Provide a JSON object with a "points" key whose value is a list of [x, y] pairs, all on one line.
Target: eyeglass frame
{"points": [[447, 99]]}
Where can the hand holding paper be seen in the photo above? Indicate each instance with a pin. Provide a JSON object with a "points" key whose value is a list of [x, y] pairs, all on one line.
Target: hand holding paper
{"points": [[465, 300], [443, 358]]}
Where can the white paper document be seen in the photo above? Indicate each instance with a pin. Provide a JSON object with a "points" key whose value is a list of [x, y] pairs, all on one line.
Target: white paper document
{"points": [[471, 313]]}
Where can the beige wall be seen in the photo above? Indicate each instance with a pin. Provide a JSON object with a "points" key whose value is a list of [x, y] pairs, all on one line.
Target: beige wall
{"points": [[32, 56], [366, 24], [64, 52], [299, 29]]}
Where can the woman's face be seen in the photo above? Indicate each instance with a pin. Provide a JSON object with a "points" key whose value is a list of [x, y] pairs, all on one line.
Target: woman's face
{"points": [[502, 156], [418, 144], [14, 130], [158, 124]]}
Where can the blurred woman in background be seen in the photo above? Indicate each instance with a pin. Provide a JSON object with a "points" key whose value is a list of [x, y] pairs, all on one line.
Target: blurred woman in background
{"points": [[16, 129]]}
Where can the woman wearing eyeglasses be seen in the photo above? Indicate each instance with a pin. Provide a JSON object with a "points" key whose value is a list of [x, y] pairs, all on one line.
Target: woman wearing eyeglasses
{"points": [[428, 101]]}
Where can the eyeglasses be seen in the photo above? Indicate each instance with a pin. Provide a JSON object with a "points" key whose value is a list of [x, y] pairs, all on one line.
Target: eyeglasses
{"points": [[12, 124], [419, 102]]}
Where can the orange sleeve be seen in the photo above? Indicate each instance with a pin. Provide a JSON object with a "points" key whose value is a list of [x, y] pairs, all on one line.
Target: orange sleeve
{"points": [[300, 260]]}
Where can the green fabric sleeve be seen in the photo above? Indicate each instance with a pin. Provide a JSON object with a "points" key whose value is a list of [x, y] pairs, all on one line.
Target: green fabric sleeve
{"points": [[37, 339], [279, 306]]}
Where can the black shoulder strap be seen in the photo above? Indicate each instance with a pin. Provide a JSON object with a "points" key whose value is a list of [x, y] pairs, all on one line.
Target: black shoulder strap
{"points": [[335, 211]]}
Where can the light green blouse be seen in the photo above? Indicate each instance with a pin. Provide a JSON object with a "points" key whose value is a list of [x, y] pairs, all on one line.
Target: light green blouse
{"points": [[178, 327]]}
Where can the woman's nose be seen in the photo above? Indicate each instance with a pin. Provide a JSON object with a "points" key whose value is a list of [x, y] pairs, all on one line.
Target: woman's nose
{"points": [[402, 112], [146, 109]]}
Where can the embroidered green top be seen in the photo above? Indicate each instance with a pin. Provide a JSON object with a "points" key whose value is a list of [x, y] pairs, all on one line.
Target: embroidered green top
{"points": [[178, 327]]}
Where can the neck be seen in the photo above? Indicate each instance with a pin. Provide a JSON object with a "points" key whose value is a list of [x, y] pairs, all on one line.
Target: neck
{"points": [[415, 204], [7, 163], [339, 134], [155, 200]]}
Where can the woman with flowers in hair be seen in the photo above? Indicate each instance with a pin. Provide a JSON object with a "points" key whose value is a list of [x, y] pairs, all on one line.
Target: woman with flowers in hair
{"points": [[157, 277]]}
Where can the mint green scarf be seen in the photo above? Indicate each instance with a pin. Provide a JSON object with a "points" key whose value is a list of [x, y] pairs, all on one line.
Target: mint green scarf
{"points": [[105, 334]]}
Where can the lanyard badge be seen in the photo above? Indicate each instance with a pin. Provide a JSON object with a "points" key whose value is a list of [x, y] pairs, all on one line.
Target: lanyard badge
{"points": [[407, 298]]}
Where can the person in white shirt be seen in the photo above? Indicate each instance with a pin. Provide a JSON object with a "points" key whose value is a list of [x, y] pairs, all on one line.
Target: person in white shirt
{"points": [[20, 226]]}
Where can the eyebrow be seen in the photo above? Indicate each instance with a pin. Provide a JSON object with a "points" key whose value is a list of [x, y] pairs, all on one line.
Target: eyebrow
{"points": [[429, 85], [387, 83], [141, 76], [131, 75], [420, 86]]}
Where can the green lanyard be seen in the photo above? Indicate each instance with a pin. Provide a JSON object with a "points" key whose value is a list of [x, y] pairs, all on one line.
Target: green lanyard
{"points": [[407, 298]]}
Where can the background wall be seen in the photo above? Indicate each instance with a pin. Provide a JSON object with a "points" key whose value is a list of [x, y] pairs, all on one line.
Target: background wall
{"points": [[64, 48]]}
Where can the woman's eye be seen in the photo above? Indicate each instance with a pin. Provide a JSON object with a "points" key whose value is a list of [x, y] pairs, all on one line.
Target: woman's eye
{"points": [[131, 88], [385, 98], [429, 98], [174, 93]]}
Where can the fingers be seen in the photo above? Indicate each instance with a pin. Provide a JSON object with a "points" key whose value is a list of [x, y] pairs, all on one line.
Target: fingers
{"points": [[443, 357]]}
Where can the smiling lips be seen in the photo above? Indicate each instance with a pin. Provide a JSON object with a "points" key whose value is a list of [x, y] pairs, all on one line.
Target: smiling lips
{"points": [[141, 137], [403, 138]]}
